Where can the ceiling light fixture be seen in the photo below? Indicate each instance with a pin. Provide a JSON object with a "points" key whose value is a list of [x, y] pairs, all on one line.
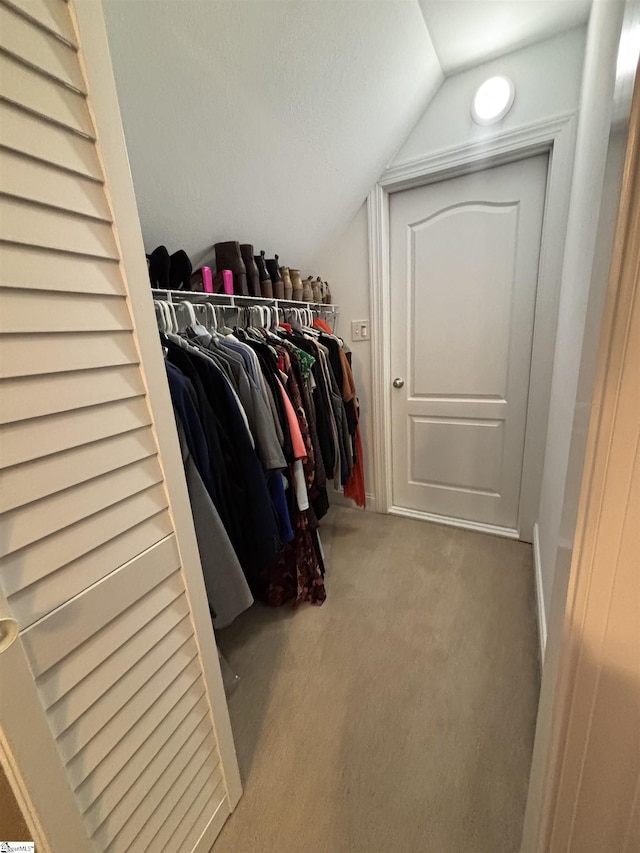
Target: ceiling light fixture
{"points": [[493, 100]]}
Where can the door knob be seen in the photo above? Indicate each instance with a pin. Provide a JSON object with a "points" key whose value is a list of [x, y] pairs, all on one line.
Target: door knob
{"points": [[8, 632], [398, 382]]}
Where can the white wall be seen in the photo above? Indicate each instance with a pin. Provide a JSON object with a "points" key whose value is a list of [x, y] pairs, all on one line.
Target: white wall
{"points": [[446, 123], [546, 77], [344, 262], [588, 179], [263, 121], [587, 253]]}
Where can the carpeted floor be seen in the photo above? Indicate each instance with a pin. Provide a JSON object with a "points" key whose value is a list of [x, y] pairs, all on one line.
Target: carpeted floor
{"points": [[399, 717]]}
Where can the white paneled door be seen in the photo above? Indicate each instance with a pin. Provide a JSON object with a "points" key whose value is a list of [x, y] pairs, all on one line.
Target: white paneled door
{"points": [[464, 268], [114, 728]]}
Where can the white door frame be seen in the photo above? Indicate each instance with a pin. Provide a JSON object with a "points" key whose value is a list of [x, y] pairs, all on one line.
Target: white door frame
{"points": [[555, 136]]}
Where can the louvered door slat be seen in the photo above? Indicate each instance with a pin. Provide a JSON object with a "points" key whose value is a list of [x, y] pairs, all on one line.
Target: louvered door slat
{"points": [[200, 775], [26, 524], [91, 737], [25, 222], [190, 769], [43, 596], [39, 48], [48, 641], [100, 761], [104, 829], [173, 651], [42, 183], [209, 801], [21, 356], [191, 731], [99, 561], [114, 669], [42, 269], [36, 396], [183, 717], [51, 15], [33, 91], [23, 441], [59, 471], [124, 764], [27, 133], [39, 311], [86, 658], [67, 548]]}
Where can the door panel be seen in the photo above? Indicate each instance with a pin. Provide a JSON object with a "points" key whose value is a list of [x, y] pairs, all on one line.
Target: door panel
{"points": [[464, 265], [461, 283], [114, 673]]}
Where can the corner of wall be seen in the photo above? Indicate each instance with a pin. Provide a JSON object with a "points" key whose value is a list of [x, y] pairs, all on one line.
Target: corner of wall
{"points": [[542, 616]]}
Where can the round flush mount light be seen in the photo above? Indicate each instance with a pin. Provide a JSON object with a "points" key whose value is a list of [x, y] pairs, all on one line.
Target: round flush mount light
{"points": [[493, 100]]}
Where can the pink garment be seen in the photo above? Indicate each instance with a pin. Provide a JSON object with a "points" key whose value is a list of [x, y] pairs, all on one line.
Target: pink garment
{"points": [[299, 450]]}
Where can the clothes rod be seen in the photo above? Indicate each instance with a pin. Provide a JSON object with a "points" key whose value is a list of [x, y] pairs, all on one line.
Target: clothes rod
{"points": [[232, 300]]}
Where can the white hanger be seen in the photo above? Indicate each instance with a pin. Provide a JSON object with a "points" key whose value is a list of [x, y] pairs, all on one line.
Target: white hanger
{"points": [[162, 323], [173, 321], [188, 307], [211, 311], [166, 315]]}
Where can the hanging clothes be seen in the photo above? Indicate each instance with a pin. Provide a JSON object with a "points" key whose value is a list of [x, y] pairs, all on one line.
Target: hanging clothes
{"points": [[227, 588], [264, 418]]}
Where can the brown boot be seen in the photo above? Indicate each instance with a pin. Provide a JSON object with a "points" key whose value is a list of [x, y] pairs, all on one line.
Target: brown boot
{"points": [[274, 272], [286, 278], [296, 282], [228, 257], [253, 276], [316, 286], [266, 287], [327, 293]]}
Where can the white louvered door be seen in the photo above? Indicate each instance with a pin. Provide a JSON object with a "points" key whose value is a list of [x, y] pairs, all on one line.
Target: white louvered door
{"points": [[113, 720]]}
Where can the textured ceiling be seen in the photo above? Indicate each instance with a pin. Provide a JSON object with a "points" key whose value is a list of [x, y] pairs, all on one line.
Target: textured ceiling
{"points": [[467, 32], [265, 122]]}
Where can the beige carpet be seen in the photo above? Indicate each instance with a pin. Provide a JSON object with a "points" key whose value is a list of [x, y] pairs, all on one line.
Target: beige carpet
{"points": [[399, 716]]}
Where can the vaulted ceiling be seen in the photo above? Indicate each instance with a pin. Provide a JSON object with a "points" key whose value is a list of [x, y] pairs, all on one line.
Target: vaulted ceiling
{"points": [[468, 32], [268, 121]]}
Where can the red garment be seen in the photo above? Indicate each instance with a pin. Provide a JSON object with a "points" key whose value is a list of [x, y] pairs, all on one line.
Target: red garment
{"points": [[318, 323], [354, 487]]}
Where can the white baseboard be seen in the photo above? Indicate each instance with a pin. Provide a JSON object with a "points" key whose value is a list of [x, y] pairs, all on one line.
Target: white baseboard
{"points": [[542, 617], [477, 526], [337, 498]]}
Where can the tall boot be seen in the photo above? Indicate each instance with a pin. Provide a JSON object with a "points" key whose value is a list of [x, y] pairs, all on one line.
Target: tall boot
{"points": [[307, 290], [180, 271], [296, 282], [228, 257], [265, 279], [253, 276], [159, 265], [286, 278], [274, 272], [327, 293], [316, 287]]}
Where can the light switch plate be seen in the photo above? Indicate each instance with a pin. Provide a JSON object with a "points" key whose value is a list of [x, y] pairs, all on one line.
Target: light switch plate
{"points": [[360, 330]]}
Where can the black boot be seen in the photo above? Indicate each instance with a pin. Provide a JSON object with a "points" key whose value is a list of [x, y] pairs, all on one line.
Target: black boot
{"points": [[266, 285], [159, 265], [180, 271], [253, 275], [276, 278], [228, 257]]}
